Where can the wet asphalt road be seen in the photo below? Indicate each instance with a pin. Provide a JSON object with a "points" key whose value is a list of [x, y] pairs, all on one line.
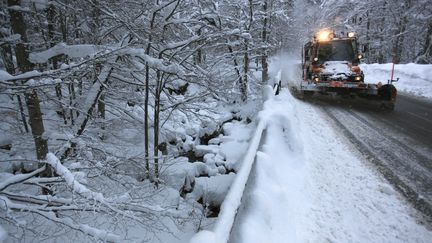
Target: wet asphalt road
{"points": [[398, 143], [412, 117]]}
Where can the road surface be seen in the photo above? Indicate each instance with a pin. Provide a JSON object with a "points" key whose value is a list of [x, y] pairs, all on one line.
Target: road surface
{"points": [[398, 143]]}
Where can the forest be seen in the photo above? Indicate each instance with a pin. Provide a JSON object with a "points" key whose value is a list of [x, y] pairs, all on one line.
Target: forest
{"points": [[127, 120]]}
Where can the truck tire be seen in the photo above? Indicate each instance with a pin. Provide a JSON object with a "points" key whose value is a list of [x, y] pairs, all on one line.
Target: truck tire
{"points": [[387, 94]]}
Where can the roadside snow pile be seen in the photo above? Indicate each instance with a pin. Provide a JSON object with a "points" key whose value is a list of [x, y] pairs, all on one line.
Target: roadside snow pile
{"points": [[414, 78]]}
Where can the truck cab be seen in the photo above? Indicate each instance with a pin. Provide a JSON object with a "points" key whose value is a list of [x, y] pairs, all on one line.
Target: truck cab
{"points": [[329, 58], [330, 65]]}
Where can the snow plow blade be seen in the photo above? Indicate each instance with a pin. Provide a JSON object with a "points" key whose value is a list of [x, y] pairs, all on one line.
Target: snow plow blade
{"points": [[384, 97]]}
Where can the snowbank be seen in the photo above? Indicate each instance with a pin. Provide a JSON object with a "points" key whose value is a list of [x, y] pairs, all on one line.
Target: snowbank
{"points": [[413, 78]]}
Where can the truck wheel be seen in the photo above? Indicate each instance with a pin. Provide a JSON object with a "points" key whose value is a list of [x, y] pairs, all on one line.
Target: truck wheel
{"points": [[387, 94]]}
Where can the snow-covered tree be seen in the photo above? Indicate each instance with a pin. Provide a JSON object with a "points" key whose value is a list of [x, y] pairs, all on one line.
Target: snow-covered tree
{"points": [[107, 86]]}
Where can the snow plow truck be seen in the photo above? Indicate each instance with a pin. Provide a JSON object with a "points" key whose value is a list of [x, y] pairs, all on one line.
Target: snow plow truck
{"points": [[330, 66]]}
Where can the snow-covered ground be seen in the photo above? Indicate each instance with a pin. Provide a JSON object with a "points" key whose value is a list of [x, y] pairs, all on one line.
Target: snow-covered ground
{"points": [[413, 78], [311, 186]]}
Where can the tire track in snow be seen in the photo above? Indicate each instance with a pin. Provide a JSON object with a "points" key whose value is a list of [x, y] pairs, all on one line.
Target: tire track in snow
{"points": [[421, 159], [420, 203], [353, 203]]}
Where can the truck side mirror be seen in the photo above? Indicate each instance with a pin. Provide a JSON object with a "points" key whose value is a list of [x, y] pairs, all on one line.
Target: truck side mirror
{"points": [[364, 49]]}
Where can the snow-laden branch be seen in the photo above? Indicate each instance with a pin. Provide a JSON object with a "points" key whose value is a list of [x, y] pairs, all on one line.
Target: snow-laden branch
{"points": [[95, 52], [155, 63], [70, 180], [6, 204], [73, 51], [38, 199], [82, 190], [19, 178]]}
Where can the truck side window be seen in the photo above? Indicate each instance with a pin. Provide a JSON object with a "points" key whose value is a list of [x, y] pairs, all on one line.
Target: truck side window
{"points": [[307, 53]]}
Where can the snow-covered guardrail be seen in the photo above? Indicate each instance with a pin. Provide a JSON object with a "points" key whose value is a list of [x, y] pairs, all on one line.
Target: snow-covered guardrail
{"points": [[221, 231]]}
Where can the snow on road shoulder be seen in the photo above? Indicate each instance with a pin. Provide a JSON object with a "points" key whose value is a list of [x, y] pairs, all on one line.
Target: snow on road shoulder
{"points": [[311, 187], [413, 78], [278, 210], [351, 202]]}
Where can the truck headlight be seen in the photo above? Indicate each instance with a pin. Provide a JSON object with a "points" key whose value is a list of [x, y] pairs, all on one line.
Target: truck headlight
{"points": [[324, 35], [358, 78], [316, 79]]}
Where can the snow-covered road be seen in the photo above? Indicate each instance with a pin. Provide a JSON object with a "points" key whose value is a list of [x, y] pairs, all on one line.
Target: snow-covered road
{"points": [[397, 143], [311, 185]]}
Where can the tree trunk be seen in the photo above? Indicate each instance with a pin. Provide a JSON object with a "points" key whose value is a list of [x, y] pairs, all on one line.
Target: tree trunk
{"points": [[428, 42], [367, 35], [426, 55], [244, 80], [21, 108], [397, 46], [19, 27], [7, 57], [101, 112], [156, 128], [32, 100], [146, 103], [71, 91], [264, 62], [199, 54], [236, 64], [246, 60], [50, 13], [381, 24], [146, 123], [36, 124]]}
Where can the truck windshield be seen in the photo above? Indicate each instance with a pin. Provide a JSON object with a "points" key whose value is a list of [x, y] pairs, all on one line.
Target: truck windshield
{"points": [[337, 50]]}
